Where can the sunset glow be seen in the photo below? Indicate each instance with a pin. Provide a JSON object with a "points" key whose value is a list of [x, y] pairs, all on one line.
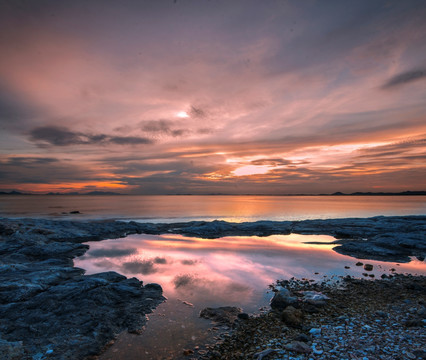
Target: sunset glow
{"points": [[202, 97]]}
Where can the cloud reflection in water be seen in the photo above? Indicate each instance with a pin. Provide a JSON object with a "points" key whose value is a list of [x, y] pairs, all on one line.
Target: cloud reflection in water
{"points": [[225, 271]]}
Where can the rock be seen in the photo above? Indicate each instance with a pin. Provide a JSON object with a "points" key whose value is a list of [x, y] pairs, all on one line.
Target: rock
{"points": [[13, 350], [283, 298], [262, 354], [359, 263], [223, 315], [187, 352], [292, 317], [299, 347], [368, 267], [243, 316], [414, 323], [302, 337], [315, 331], [75, 212]]}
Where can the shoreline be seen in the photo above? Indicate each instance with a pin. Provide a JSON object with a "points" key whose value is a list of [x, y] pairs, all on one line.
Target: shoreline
{"points": [[359, 319], [52, 310]]}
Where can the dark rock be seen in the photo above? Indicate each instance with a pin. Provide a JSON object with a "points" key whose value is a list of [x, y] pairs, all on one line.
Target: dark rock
{"points": [[303, 338], [283, 298], [223, 315], [414, 323], [299, 347], [359, 263], [292, 317], [368, 267], [75, 212], [243, 316]]}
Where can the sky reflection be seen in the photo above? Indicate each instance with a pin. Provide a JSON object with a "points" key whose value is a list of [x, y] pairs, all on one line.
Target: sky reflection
{"points": [[226, 271]]}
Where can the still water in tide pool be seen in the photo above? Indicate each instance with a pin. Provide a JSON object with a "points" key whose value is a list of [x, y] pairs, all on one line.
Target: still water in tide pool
{"points": [[197, 273]]}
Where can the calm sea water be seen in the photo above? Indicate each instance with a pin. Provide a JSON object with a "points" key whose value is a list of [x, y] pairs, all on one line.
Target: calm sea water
{"points": [[168, 208]]}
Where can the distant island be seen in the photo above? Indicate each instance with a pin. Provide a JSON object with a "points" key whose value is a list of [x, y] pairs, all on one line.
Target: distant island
{"points": [[57, 193], [338, 193]]}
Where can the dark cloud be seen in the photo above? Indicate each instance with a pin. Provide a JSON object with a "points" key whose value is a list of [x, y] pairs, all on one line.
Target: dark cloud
{"points": [[163, 127], [62, 136], [197, 112], [405, 78], [29, 161], [111, 253], [183, 280], [129, 140], [160, 260], [271, 162], [189, 262], [59, 136], [144, 267]]}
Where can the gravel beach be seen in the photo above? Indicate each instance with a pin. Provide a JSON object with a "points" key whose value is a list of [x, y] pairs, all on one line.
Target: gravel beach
{"points": [[361, 319]]}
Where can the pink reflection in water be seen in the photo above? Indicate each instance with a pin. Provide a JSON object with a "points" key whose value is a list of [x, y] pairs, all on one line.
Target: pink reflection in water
{"points": [[225, 271], [212, 272]]}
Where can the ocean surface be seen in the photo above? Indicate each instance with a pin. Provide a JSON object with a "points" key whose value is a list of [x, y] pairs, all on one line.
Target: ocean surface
{"points": [[181, 208]]}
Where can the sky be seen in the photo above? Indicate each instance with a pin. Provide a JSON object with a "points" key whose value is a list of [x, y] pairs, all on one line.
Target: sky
{"points": [[211, 96]]}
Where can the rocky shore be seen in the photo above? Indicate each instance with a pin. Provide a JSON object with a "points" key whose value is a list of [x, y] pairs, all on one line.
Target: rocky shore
{"points": [[352, 319], [51, 310]]}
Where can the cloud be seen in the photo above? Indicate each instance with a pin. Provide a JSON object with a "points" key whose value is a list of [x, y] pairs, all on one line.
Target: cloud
{"points": [[160, 260], [111, 253], [271, 162], [404, 78], [144, 267], [183, 280], [189, 262], [29, 161], [196, 112], [129, 140], [162, 127], [62, 136]]}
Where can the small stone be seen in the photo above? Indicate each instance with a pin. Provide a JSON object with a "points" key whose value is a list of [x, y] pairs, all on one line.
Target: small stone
{"points": [[299, 347], [359, 263], [368, 267], [347, 267], [315, 331], [188, 352], [410, 355]]}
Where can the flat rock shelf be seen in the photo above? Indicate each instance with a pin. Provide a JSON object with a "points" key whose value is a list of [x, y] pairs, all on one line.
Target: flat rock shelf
{"points": [[51, 310]]}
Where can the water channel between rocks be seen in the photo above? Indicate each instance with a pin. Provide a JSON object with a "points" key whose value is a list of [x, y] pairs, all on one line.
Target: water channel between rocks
{"points": [[196, 273]]}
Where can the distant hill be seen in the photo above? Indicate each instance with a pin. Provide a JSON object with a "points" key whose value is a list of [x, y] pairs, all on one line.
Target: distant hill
{"points": [[57, 193], [12, 193], [358, 193], [88, 193]]}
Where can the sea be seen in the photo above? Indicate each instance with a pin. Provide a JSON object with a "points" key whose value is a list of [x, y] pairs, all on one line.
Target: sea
{"points": [[182, 208], [231, 271]]}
